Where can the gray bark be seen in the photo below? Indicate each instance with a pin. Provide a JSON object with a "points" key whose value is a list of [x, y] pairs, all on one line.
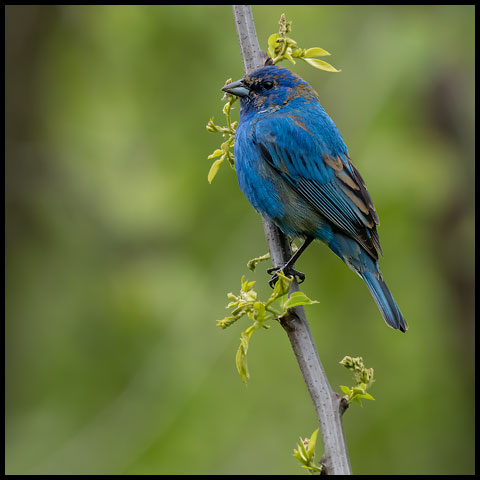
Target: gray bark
{"points": [[328, 405]]}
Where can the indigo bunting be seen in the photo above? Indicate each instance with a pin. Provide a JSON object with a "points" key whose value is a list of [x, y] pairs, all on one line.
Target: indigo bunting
{"points": [[294, 168]]}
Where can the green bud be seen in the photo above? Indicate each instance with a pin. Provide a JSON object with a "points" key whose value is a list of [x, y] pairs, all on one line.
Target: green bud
{"points": [[291, 42], [211, 127], [347, 362], [215, 154]]}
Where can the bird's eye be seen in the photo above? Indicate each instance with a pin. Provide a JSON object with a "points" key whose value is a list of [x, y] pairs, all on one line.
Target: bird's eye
{"points": [[268, 84]]}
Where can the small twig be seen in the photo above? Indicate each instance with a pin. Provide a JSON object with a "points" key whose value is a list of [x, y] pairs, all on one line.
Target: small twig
{"points": [[328, 405]]}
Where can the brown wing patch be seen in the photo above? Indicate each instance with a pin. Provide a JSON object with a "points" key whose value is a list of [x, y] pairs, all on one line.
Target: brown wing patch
{"points": [[363, 190], [347, 179], [356, 200], [334, 162], [352, 184]]}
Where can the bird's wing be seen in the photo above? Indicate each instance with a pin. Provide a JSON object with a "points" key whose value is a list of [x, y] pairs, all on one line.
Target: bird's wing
{"points": [[327, 180]]}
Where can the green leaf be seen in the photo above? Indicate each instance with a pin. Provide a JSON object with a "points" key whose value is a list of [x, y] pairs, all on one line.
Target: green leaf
{"points": [[241, 356], [260, 308], [252, 264], [303, 451], [315, 52], [272, 44], [315, 468], [367, 396], [297, 455], [311, 443], [241, 362], [282, 286], [345, 389], [321, 65], [298, 298], [214, 169]]}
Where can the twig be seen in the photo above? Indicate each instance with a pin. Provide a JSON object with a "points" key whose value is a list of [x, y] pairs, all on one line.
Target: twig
{"points": [[328, 405]]}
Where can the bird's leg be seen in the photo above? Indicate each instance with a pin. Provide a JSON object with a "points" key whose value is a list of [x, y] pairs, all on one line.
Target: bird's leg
{"points": [[288, 267]]}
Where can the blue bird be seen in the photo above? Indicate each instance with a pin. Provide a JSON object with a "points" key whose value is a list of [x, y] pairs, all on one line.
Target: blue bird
{"points": [[293, 166]]}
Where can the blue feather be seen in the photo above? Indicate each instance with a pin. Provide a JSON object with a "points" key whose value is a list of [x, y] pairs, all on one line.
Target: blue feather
{"points": [[293, 166]]}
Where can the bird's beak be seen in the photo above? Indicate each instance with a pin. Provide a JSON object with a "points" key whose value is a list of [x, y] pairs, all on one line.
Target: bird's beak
{"points": [[237, 88]]}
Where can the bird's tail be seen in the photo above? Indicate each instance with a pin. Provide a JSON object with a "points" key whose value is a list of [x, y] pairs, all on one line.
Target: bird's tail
{"points": [[383, 298]]}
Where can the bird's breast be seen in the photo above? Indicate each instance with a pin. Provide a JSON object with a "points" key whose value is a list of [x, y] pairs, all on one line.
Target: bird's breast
{"points": [[270, 194]]}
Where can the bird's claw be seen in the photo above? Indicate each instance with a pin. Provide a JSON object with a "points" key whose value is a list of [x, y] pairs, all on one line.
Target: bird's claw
{"points": [[289, 272]]}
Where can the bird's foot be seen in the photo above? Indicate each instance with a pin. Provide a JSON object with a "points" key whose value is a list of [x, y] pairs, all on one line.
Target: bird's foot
{"points": [[288, 271]]}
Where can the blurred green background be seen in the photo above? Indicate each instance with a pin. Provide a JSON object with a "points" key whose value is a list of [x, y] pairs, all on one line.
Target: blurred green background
{"points": [[119, 254]]}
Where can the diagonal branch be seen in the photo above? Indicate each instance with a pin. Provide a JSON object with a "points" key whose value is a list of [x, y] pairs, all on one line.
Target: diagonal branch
{"points": [[328, 405]]}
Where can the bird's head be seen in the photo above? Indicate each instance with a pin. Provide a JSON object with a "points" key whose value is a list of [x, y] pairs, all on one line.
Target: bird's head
{"points": [[270, 88]]}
